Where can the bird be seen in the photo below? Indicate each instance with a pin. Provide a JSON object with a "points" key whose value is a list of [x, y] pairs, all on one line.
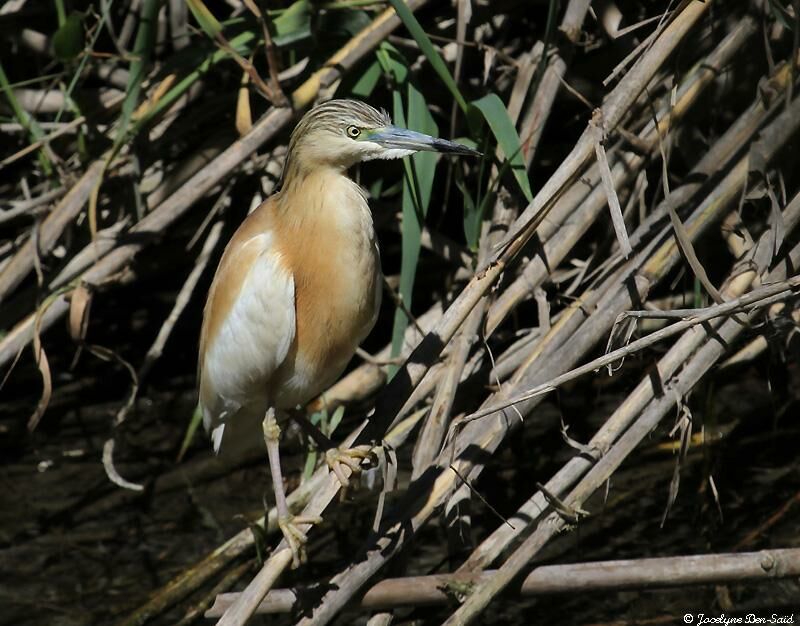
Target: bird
{"points": [[298, 288]]}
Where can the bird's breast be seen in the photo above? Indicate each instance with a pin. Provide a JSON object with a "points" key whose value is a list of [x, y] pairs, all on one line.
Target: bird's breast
{"points": [[333, 255]]}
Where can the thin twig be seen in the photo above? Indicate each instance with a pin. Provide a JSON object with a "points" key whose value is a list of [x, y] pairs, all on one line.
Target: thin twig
{"points": [[631, 574]]}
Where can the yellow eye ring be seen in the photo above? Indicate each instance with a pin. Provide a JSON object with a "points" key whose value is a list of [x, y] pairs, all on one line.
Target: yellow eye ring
{"points": [[353, 131]]}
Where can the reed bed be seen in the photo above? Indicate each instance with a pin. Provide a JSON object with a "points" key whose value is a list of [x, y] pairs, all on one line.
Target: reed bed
{"points": [[585, 371]]}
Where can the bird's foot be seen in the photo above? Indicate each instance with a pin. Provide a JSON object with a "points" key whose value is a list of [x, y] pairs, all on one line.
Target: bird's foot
{"points": [[296, 538], [351, 457]]}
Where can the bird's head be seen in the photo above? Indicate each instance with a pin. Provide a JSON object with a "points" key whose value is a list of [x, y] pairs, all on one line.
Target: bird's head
{"points": [[341, 133]]}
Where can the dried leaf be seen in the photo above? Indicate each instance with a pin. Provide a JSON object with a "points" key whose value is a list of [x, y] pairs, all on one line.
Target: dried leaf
{"points": [[387, 461], [111, 470], [93, 197], [591, 451], [80, 303], [488, 61], [684, 425], [715, 493], [619, 337], [244, 117], [153, 99], [776, 222], [47, 380], [41, 359], [543, 308], [607, 181], [463, 17], [687, 249], [107, 354]]}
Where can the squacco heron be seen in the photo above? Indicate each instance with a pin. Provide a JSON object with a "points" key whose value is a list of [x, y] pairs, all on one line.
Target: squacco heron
{"points": [[299, 287]]}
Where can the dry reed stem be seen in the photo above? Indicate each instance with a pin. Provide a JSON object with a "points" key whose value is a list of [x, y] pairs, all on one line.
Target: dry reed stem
{"points": [[629, 574], [591, 207], [50, 230], [21, 207], [748, 121], [433, 429], [231, 577], [536, 117], [598, 447], [718, 155], [614, 108], [191, 579], [753, 349], [556, 249], [430, 440], [692, 371]]}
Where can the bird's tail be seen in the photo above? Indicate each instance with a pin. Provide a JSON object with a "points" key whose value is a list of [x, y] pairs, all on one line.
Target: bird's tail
{"points": [[236, 434], [216, 437]]}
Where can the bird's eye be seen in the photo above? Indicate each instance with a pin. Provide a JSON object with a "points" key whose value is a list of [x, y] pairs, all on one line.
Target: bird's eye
{"points": [[353, 131]]}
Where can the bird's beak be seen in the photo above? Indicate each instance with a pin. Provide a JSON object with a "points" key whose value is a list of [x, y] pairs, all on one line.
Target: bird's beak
{"points": [[393, 137]]}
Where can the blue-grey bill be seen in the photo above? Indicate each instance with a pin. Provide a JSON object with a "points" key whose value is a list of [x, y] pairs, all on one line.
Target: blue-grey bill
{"points": [[404, 139]]}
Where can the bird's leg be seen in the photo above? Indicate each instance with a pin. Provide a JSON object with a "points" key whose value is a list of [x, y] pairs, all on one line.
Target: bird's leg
{"points": [[288, 523], [334, 457]]}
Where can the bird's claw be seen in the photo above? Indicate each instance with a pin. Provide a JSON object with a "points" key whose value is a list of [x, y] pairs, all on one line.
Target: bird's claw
{"points": [[351, 457], [296, 538]]}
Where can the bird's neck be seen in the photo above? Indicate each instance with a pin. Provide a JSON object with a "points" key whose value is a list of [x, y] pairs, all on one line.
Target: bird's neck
{"points": [[299, 167], [311, 192]]}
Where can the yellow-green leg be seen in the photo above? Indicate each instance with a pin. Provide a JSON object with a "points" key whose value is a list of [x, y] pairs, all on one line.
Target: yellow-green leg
{"points": [[351, 457], [288, 523], [335, 457]]}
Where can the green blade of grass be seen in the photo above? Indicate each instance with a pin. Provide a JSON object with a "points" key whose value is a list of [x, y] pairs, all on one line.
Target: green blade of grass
{"points": [[82, 63], [205, 18], [191, 430], [492, 109], [61, 12], [363, 85], [25, 119], [142, 49], [417, 183], [68, 39], [242, 43], [424, 43], [473, 211], [293, 23], [336, 419], [393, 63], [417, 187]]}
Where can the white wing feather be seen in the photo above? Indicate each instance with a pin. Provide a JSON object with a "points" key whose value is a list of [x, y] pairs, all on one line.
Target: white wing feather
{"points": [[252, 342]]}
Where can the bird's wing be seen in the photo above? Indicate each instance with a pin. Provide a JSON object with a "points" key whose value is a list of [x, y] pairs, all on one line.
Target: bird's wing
{"points": [[248, 328]]}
